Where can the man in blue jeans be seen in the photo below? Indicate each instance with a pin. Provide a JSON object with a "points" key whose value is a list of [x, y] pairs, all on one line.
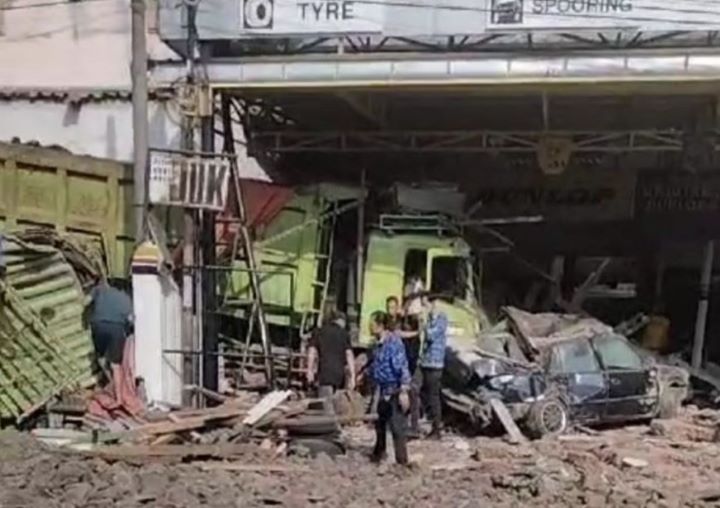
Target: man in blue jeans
{"points": [[392, 380]]}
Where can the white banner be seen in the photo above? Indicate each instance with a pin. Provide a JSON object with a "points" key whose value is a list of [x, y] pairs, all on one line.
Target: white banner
{"points": [[188, 181], [508, 15], [273, 17]]}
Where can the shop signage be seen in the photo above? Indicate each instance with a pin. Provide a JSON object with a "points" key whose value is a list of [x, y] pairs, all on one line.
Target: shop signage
{"points": [[611, 14], [190, 181], [679, 194], [233, 19], [571, 197], [268, 17]]}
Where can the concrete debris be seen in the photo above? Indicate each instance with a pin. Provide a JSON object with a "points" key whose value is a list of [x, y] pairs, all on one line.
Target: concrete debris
{"points": [[628, 466], [634, 462]]}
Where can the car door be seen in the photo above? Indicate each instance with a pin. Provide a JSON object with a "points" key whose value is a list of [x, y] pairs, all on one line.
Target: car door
{"points": [[630, 382], [574, 366]]}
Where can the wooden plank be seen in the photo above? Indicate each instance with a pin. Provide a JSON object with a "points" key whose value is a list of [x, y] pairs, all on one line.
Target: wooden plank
{"points": [[508, 423], [266, 404], [255, 468], [224, 450], [186, 424]]}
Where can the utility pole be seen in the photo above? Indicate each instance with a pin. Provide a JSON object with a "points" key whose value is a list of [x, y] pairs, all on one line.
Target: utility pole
{"points": [[210, 341], [703, 304], [189, 316], [140, 114]]}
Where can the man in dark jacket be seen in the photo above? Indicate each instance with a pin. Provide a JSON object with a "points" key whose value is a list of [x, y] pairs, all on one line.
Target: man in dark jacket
{"points": [[331, 360]]}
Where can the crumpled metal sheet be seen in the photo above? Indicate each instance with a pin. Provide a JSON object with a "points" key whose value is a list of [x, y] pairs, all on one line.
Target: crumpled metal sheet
{"points": [[45, 346]]}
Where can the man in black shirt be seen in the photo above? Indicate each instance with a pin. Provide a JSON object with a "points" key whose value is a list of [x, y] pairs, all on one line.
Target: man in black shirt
{"points": [[329, 355]]}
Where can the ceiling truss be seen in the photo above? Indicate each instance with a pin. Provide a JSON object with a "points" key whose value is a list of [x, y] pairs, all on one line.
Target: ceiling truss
{"points": [[471, 141], [473, 43]]}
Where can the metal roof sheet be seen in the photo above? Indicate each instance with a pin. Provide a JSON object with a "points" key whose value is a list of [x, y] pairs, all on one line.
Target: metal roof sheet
{"points": [[44, 345]]}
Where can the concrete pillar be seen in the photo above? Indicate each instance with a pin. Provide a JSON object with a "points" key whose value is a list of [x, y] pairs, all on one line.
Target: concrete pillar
{"points": [[157, 302]]}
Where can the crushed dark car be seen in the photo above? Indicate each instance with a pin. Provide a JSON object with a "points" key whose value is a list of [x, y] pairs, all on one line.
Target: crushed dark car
{"points": [[553, 371]]}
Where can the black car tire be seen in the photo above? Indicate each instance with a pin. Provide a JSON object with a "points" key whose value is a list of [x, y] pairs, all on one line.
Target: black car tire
{"points": [[547, 417]]}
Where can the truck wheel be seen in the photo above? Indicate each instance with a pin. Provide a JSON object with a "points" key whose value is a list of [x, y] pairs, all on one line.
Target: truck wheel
{"points": [[547, 417]]}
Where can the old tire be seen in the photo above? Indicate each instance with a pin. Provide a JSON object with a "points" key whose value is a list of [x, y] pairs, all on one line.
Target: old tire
{"points": [[547, 417]]}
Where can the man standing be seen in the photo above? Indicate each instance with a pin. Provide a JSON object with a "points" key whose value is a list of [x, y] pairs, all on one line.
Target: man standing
{"points": [[329, 355], [407, 325], [432, 363], [110, 324], [392, 379]]}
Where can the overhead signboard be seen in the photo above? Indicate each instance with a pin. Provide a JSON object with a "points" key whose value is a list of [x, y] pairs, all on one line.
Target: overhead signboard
{"points": [[248, 19], [509, 15], [571, 197], [660, 194], [189, 181], [270, 17]]}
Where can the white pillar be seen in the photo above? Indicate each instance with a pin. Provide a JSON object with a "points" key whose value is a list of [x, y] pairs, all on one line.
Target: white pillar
{"points": [[157, 303]]}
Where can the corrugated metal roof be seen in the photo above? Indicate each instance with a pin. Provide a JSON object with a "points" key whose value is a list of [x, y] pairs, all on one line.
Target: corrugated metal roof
{"points": [[44, 346]]}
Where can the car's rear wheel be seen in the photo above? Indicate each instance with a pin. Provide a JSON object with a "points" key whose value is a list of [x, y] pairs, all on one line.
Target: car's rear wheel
{"points": [[547, 417]]}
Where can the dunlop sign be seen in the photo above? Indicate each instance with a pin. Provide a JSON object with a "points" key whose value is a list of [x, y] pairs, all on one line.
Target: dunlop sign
{"points": [[188, 181]]}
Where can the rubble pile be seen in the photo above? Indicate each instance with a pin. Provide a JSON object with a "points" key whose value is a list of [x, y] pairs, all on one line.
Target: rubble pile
{"points": [[676, 465]]}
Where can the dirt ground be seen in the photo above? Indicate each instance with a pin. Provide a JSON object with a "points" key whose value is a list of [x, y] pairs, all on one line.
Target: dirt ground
{"points": [[669, 463]]}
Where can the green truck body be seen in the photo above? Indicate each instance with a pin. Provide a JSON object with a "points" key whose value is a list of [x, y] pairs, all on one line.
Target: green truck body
{"points": [[292, 267], [84, 196]]}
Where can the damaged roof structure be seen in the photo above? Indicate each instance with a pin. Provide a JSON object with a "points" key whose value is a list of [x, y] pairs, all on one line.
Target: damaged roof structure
{"points": [[45, 346]]}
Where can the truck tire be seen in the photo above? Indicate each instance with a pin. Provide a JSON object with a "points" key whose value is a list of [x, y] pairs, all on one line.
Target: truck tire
{"points": [[547, 417]]}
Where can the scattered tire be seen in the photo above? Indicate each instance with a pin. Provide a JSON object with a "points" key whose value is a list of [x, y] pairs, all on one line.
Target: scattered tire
{"points": [[547, 417]]}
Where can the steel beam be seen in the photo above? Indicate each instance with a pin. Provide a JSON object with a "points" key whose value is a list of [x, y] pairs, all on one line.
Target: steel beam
{"points": [[593, 69], [469, 141]]}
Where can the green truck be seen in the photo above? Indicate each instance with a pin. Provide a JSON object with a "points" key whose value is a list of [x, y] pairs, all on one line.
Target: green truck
{"points": [[80, 196], [306, 266]]}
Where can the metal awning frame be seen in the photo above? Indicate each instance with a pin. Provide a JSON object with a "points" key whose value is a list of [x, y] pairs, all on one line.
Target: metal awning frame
{"points": [[591, 68], [470, 141]]}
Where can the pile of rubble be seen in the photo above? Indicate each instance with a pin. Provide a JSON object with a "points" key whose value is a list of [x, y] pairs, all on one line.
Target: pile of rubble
{"points": [[279, 421], [669, 464]]}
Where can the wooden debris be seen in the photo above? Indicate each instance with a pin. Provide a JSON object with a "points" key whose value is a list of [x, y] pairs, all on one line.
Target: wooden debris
{"points": [[266, 404], [508, 423], [180, 451], [255, 468]]}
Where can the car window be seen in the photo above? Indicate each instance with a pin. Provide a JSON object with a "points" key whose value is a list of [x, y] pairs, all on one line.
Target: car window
{"points": [[573, 357], [616, 353]]}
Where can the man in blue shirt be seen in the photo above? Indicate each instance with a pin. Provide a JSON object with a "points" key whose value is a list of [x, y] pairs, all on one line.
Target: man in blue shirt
{"points": [[392, 380], [432, 362], [110, 322]]}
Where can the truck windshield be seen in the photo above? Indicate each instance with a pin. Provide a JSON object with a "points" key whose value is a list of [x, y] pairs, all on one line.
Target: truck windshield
{"points": [[450, 276]]}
